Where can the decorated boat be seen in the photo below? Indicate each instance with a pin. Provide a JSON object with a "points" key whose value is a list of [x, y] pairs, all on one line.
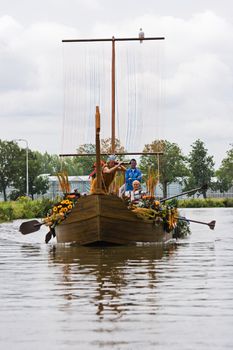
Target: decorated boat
{"points": [[102, 217]]}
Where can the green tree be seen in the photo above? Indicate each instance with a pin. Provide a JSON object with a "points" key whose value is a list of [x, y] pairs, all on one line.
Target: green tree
{"points": [[171, 164], [72, 166], [37, 184], [225, 172], [84, 164], [106, 146], [201, 167], [49, 164], [53, 164], [10, 169]]}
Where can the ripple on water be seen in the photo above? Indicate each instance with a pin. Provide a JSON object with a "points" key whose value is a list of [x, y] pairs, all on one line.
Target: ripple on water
{"points": [[58, 296]]}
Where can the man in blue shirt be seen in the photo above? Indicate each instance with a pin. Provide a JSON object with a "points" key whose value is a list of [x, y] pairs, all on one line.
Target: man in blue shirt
{"points": [[131, 174]]}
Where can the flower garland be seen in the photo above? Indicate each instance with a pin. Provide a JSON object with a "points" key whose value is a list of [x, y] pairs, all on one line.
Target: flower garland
{"points": [[150, 209], [60, 211]]}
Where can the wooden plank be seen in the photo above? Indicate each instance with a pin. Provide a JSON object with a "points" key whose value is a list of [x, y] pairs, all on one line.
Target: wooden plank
{"points": [[85, 209], [107, 218], [78, 232], [127, 233]]}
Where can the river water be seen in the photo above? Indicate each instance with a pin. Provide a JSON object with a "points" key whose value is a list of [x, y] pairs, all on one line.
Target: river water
{"points": [[62, 297]]}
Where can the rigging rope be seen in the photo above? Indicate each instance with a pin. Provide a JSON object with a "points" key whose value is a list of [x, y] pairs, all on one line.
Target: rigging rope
{"points": [[87, 83]]}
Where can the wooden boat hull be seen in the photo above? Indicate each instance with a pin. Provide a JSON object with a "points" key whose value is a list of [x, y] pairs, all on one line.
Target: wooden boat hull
{"points": [[106, 219]]}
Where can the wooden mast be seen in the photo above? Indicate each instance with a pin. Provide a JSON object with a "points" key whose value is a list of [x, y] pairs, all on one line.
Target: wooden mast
{"points": [[113, 95], [97, 144]]}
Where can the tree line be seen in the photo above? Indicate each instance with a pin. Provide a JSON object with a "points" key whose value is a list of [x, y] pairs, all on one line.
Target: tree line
{"points": [[193, 170]]}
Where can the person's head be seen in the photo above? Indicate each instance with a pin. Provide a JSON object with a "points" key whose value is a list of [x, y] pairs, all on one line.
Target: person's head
{"points": [[136, 184], [102, 163], [111, 161], [133, 163]]}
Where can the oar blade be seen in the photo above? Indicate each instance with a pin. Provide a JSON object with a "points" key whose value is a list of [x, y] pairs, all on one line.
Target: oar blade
{"points": [[212, 224], [29, 227]]}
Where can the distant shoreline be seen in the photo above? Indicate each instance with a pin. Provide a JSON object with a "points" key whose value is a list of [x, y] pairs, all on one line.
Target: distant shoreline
{"points": [[205, 203]]}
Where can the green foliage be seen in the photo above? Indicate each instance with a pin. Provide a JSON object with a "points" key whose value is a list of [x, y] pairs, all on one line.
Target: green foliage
{"points": [[106, 146], [37, 184], [172, 164], [15, 194], [6, 212], [49, 164], [225, 172], [45, 205], [11, 160], [59, 212], [228, 202], [85, 164], [182, 229], [72, 166], [205, 203], [201, 168], [172, 202], [36, 208], [40, 185], [24, 208]]}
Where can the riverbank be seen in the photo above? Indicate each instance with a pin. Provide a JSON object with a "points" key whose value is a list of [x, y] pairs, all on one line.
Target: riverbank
{"points": [[206, 203], [24, 208]]}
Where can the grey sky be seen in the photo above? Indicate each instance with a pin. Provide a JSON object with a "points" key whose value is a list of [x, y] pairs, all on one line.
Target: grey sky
{"points": [[198, 67]]}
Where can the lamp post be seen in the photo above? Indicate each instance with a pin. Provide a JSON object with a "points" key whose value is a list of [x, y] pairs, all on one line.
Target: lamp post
{"points": [[27, 186]]}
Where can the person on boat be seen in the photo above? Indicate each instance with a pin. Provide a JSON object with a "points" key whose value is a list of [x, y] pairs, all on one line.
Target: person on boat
{"points": [[136, 194], [92, 176], [131, 174], [108, 174]]}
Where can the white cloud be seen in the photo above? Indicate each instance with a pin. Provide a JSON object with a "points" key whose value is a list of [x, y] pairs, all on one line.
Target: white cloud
{"points": [[198, 73]]}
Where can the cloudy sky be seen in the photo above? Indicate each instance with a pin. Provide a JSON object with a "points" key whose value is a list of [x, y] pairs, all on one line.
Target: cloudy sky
{"points": [[198, 67]]}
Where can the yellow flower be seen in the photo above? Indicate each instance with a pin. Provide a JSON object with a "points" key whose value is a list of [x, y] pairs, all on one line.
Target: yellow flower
{"points": [[70, 206], [55, 209]]}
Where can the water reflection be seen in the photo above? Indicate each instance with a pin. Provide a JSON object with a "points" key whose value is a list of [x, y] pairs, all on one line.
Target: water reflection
{"points": [[65, 297], [29, 250], [104, 276]]}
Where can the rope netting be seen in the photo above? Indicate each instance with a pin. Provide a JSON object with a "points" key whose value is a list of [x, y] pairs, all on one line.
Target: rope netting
{"points": [[87, 83]]}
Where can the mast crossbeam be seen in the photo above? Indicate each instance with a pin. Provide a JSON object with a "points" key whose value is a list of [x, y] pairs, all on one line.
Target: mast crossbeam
{"points": [[112, 39], [107, 154]]}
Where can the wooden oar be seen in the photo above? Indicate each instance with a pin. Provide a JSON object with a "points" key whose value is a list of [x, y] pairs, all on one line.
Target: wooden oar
{"points": [[184, 193], [210, 224], [30, 226]]}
